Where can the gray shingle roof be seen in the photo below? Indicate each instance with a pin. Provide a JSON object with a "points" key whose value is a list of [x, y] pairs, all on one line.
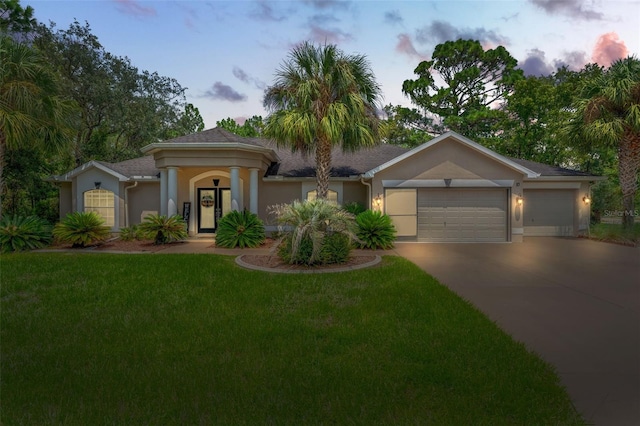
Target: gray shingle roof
{"points": [[142, 166], [547, 170], [216, 135]]}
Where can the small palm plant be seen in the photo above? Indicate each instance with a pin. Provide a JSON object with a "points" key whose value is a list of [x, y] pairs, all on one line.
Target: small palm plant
{"points": [[81, 229], [240, 229], [375, 230], [19, 233], [163, 229], [314, 232]]}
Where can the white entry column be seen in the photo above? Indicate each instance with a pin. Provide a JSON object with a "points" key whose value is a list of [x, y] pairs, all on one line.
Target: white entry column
{"points": [[172, 191], [235, 188], [163, 192], [253, 190]]}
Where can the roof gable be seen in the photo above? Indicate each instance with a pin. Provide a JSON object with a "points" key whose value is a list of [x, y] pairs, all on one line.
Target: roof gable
{"points": [[460, 139], [87, 166]]}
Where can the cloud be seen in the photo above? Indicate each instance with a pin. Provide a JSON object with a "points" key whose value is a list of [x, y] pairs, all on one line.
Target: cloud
{"points": [[328, 4], [536, 63], [439, 31], [608, 49], [329, 36], [221, 92], [393, 17], [241, 75], [323, 19], [134, 8], [265, 12], [406, 47], [572, 8]]}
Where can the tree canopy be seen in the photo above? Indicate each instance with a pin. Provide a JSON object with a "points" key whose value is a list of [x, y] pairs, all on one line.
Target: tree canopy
{"points": [[323, 98]]}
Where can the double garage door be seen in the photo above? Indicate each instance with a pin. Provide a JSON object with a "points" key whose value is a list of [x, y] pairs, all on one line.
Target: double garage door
{"points": [[462, 215]]}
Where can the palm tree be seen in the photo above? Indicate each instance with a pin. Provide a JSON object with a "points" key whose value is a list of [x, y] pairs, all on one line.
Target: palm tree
{"points": [[608, 113], [32, 114], [322, 98]]}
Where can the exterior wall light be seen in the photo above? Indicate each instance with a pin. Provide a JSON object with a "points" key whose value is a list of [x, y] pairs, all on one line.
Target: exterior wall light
{"points": [[586, 199], [97, 184], [216, 182], [519, 201], [377, 200]]}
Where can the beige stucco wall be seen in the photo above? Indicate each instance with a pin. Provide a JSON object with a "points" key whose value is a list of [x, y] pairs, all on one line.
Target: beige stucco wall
{"points": [[145, 197], [450, 159], [354, 192], [66, 199]]}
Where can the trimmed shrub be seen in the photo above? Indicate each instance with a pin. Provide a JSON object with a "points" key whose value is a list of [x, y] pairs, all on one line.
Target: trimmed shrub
{"points": [[163, 229], [131, 233], [240, 229], [18, 233], [305, 227], [81, 229], [375, 230], [354, 207]]}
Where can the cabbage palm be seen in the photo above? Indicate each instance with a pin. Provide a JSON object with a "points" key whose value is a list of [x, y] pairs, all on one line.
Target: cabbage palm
{"points": [[32, 114], [322, 98], [608, 113]]}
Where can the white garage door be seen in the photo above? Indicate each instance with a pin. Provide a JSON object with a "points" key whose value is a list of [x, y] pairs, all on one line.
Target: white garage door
{"points": [[462, 215], [549, 212]]}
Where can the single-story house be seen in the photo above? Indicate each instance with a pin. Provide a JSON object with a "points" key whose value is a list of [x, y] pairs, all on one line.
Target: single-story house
{"points": [[450, 189]]}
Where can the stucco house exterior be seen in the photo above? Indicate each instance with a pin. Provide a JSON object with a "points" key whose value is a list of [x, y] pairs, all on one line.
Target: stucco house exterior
{"points": [[450, 189]]}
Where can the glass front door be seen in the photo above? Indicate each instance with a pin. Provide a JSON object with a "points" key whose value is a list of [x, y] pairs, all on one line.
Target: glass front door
{"points": [[213, 203]]}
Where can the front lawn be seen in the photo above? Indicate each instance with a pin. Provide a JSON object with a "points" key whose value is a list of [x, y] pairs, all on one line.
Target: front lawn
{"points": [[194, 339], [615, 233]]}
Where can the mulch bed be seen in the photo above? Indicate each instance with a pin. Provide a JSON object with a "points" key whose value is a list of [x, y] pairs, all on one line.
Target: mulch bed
{"points": [[274, 262]]}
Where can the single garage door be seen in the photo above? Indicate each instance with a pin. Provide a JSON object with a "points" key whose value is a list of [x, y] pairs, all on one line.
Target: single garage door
{"points": [[462, 215], [549, 212]]}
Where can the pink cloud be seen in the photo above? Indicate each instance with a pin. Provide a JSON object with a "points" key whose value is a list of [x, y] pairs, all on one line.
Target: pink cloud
{"points": [[334, 36], [133, 7], [405, 46], [608, 49]]}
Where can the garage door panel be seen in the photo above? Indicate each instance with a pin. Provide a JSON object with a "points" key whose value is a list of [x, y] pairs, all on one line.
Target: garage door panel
{"points": [[462, 215], [549, 212]]}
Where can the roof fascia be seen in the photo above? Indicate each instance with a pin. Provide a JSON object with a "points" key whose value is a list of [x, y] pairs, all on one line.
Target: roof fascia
{"points": [[86, 166], [160, 146]]}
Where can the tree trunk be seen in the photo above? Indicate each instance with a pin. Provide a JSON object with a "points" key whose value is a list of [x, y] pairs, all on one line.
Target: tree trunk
{"points": [[2, 154], [628, 167], [323, 168]]}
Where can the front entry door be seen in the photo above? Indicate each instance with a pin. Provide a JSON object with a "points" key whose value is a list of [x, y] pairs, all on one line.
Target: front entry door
{"points": [[213, 203]]}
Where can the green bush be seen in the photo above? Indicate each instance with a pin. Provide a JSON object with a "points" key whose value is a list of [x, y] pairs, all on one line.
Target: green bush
{"points": [[131, 233], [163, 229], [306, 225], [240, 229], [19, 233], [81, 229], [375, 230], [354, 207]]}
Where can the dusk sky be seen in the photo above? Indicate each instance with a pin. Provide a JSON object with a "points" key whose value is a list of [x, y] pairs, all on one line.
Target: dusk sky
{"points": [[226, 52]]}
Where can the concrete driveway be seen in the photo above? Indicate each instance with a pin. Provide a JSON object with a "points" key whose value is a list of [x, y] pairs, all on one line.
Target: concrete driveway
{"points": [[574, 302]]}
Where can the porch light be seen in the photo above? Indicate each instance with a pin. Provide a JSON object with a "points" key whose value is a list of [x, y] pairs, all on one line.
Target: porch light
{"points": [[586, 199], [377, 200], [97, 184], [216, 182], [519, 201]]}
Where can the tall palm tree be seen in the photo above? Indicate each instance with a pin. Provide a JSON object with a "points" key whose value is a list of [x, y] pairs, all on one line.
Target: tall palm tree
{"points": [[608, 113], [322, 98], [32, 114]]}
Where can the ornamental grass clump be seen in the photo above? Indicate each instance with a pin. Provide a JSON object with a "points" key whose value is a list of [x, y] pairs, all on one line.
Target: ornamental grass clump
{"points": [[18, 233], [314, 232], [240, 229], [81, 229], [163, 229], [375, 230]]}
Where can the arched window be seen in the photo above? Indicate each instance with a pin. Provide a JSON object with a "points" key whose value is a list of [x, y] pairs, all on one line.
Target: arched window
{"points": [[102, 202], [332, 196]]}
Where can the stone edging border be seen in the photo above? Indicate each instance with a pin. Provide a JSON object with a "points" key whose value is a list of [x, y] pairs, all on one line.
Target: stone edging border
{"points": [[246, 265]]}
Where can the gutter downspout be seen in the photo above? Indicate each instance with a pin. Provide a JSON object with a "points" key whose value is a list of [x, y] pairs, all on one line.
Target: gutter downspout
{"points": [[368, 185], [126, 203]]}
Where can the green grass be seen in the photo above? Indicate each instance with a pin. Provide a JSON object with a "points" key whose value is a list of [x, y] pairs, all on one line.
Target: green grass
{"points": [[194, 339], [615, 233]]}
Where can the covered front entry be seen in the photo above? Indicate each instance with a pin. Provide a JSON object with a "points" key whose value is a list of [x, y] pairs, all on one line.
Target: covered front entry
{"points": [[462, 215], [213, 203], [549, 212]]}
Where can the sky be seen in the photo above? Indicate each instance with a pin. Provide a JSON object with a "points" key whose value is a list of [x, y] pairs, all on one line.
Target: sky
{"points": [[225, 53]]}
